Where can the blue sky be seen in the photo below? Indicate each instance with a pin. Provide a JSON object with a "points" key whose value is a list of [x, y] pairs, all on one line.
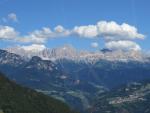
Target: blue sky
{"points": [[35, 14]]}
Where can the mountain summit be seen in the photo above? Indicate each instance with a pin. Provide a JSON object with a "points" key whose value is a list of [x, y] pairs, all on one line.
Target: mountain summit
{"points": [[69, 52]]}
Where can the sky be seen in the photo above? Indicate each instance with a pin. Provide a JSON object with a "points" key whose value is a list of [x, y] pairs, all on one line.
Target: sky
{"points": [[85, 24]]}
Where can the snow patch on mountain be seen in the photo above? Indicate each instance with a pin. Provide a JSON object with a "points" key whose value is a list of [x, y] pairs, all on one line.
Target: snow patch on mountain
{"points": [[33, 48], [70, 53]]}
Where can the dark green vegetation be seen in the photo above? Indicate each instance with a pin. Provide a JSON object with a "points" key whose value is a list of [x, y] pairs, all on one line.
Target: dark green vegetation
{"points": [[17, 99], [133, 98]]}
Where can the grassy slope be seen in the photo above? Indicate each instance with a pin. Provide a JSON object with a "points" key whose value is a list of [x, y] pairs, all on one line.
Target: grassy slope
{"points": [[17, 99]]}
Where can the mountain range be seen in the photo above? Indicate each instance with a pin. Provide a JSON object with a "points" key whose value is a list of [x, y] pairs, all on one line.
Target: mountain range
{"points": [[69, 52], [74, 77]]}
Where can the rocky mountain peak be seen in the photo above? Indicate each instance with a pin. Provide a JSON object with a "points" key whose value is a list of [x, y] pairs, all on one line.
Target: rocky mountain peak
{"points": [[69, 52]]}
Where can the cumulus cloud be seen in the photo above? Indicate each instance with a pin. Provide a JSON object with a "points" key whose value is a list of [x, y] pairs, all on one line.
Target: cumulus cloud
{"points": [[113, 31], [89, 31], [34, 47], [109, 31], [115, 35], [7, 32], [37, 36], [41, 36], [94, 44], [12, 17], [31, 39], [59, 29], [123, 45]]}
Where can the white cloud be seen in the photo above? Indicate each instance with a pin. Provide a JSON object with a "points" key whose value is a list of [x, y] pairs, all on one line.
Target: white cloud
{"points": [[13, 17], [123, 45], [7, 32], [31, 39], [37, 36], [94, 44], [40, 36], [109, 31], [59, 29], [34, 47], [113, 31], [86, 31], [115, 35]]}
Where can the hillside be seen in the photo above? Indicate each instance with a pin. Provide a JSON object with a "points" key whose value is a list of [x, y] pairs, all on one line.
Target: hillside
{"points": [[132, 98], [17, 99]]}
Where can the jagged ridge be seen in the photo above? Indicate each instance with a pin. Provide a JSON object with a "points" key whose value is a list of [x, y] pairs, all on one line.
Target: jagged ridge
{"points": [[68, 52]]}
